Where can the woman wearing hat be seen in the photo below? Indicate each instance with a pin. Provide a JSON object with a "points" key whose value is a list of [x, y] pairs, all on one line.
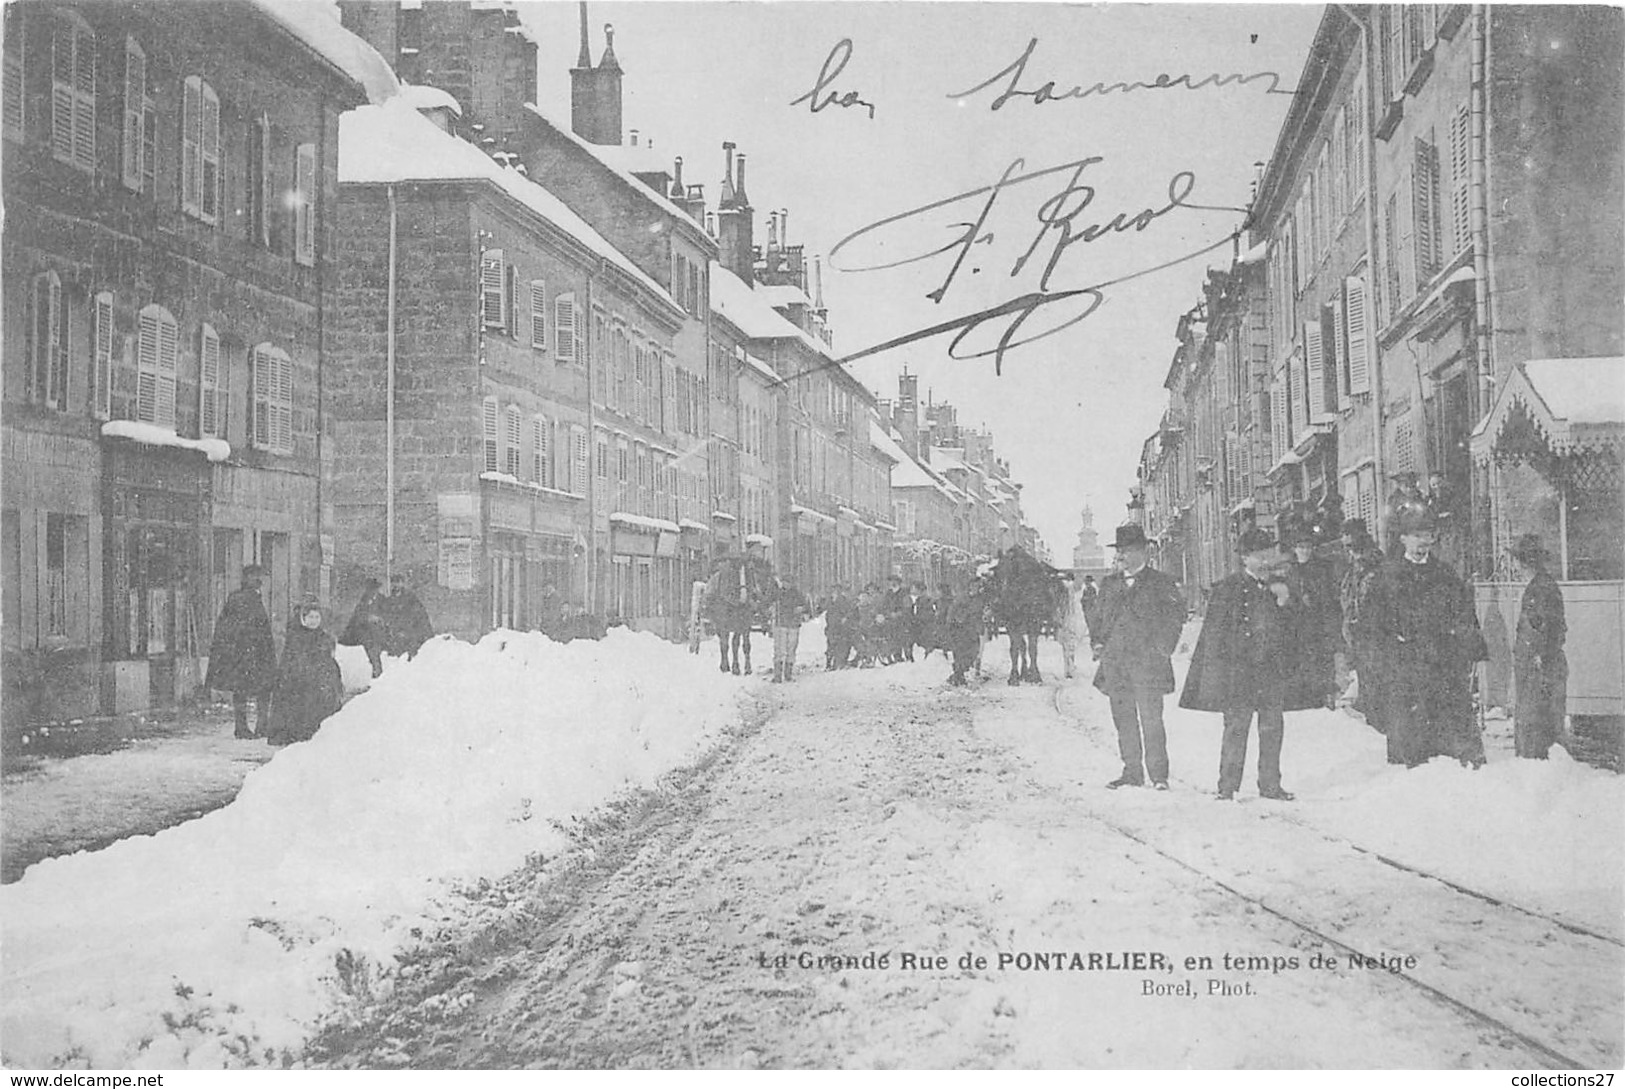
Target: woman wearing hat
{"points": [[1540, 670], [308, 687]]}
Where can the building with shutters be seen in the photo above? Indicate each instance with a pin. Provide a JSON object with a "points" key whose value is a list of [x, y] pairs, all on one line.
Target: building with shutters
{"points": [[481, 330], [170, 173]]}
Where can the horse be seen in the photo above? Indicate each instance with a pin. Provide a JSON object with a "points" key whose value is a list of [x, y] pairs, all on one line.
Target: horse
{"points": [[733, 597], [1023, 600]]}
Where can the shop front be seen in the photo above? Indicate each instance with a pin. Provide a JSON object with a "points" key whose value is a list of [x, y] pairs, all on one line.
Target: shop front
{"points": [[645, 590]]}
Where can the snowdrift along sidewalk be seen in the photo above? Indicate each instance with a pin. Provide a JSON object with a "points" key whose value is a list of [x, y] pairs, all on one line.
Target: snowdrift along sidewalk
{"points": [[221, 942]]}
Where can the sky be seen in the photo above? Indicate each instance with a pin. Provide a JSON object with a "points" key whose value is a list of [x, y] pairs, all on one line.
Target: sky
{"points": [[1127, 180]]}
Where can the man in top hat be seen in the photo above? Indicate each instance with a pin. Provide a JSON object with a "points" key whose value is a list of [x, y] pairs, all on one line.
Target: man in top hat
{"points": [[1540, 669], [1244, 663], [242, 656], [1424, 639], [1141, 614], [405, 620]]}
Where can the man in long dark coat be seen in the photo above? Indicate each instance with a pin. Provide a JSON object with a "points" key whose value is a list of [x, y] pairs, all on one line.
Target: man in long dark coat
{"points": [[1364, 562], [1540, 669], [1245, 662], [1313, 581], [1424, 640], [1141, 614], [405, 620], [242, 655]]}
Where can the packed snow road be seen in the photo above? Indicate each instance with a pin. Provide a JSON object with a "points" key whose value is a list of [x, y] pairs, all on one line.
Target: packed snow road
{"points": [[876, 870]]}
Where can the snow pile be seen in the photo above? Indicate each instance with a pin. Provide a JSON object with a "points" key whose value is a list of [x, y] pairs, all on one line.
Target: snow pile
{"points": [[222, 941]]}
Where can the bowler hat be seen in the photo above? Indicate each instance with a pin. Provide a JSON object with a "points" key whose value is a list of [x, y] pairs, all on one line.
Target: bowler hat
{"points": [[1530, 548], [253, 571], [1130, 535], [1417, 518], [1255, 540]]}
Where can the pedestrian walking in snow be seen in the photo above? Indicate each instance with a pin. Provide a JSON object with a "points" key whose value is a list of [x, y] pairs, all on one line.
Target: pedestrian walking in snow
{"points": [[1540, 668], [895, 608], [918, 620], [840, 629], [366, 626], [1313, 581], [1424, 639], [1245, 663], [1141, 614], [308, 685], [1364, 561], [1071, 629], [1089, 598], [790, 611], [965, 623], [242, 654], [405, 620]]}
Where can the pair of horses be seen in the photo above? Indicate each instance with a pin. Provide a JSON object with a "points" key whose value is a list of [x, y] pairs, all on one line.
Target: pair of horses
{"points": [[736, 596]]}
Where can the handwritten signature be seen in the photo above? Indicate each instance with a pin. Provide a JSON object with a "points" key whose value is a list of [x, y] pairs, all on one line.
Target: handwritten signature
{"points": [[834, 63], [1046, 92]]}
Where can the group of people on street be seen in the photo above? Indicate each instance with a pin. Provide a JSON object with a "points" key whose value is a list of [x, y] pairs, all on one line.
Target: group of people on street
{"points": [[1286, 632], [882, 626], [293, 694]]}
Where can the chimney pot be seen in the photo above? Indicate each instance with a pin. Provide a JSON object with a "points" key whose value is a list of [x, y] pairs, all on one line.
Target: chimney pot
{"points": [[634, 135]]}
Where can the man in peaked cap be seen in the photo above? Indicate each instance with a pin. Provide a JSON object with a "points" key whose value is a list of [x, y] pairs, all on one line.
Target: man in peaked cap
{"points": [[1424, 639], [1141, 614]]}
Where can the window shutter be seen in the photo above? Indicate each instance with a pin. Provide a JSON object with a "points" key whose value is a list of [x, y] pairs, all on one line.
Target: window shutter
{"points": [[209, 421], [305, 218], [1277, 420], [84, 100], [146, 398], [1395, 259], [538, 314], [209, 156], [12, 93], [191, 130], [261, 171], [56, 356], [1358, 347], [260, 379], [578, 460], [564, 326], [1341, 360], [491, 298], [102, 347], [1461, 227], [284, 407], [1357, 138], [511, 302], [512, 436], [488, 427], [1424, 211], [135, 117], [539, 452], [167, 345], [62, 96], [1314, 372]]}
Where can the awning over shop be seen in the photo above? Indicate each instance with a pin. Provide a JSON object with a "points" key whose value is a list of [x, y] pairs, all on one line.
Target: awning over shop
{"points": [[1560, 407]]}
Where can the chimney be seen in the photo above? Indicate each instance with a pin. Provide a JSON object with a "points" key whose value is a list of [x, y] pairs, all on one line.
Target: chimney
{"points": [[772, 232], [634, 138], [677, 189], [818, 286], [377, 22], [739, 187], [725, 199], [595, 93]]}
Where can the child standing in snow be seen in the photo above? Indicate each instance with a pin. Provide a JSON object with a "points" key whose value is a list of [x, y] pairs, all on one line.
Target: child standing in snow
{"points": [[308, 686]]}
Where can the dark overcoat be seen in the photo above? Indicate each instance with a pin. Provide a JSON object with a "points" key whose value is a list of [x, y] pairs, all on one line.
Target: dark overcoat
{"points": [[405, 622], [1540, 668], [1320, 629], [1423, 640], [1139, 629], [1247, 655], [242, 656], [308, 686]]}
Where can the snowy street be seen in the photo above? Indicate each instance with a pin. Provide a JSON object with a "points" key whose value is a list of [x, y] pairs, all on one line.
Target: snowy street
{"points": [[879, 812], [608, 854]]}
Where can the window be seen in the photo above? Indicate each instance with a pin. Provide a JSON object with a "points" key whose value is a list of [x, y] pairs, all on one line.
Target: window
{"points": [[541, 450], [538, 314], [1461, 227], [54, 607], [12, 93], [564, 326], [137, 110], [304, 204], [73, 92], [578, 460], [259, 181], [622, 457], [511, 289], [1390, 231], [488, 431], [1354, 306], [271, 372], [155, 367], [48, 342], [211, 412], [101, 364], [600, 356], [600, 458], [1354, 132], [511, 435], [493, 299], [201, 176]]}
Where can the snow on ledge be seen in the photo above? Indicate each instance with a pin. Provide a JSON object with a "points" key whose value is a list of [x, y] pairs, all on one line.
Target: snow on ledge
{"points": [[759, 539], [722, 516], [152, 435], [529, 485], [643, 522], [689, 523]]}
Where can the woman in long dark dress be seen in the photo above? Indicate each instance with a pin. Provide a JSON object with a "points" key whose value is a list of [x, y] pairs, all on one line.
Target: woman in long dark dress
{"points": [[309, 686]]}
